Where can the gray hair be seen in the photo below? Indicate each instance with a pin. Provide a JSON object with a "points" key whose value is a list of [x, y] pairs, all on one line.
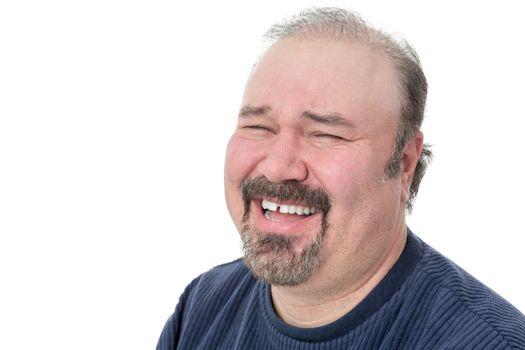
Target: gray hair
{"points": [[339, 24]]}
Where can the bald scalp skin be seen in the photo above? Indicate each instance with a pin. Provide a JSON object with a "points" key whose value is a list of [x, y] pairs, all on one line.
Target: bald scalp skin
{"points": [[325, 114]]}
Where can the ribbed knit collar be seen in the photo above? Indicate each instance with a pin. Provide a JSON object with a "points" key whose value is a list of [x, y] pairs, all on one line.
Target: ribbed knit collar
{"points": [[391, 283]]}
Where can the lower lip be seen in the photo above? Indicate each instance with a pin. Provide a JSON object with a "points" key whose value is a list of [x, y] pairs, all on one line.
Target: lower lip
{"points": [[300, 224]]}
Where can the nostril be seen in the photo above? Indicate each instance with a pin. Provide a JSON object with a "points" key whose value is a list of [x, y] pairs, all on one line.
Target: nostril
{"points": [[279, 170]]}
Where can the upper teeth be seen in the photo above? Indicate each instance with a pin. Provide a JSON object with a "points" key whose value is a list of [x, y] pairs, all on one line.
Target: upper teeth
{"points": [[287, 209]]}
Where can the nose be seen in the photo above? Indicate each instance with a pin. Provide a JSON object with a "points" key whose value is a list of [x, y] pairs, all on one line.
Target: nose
{"points": [[283, 161]]}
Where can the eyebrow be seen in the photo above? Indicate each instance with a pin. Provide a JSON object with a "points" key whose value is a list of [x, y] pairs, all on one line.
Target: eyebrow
{"points": [[334, 119], [248, 111]]}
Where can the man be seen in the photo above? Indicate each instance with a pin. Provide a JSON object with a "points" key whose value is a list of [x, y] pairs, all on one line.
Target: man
{"points": [[326, 159]]}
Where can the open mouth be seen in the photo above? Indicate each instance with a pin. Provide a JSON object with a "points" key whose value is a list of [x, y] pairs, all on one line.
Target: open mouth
{"points": [[280, 207], [287, 217]]}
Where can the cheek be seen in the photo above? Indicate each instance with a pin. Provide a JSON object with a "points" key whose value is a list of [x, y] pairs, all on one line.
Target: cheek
{"points": [[232, 166], [240, 162], [232, 181], [345, 176], [359, 195]]}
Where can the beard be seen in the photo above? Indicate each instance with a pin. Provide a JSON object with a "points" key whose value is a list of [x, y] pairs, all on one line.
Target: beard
{"points": [[274, 257]]}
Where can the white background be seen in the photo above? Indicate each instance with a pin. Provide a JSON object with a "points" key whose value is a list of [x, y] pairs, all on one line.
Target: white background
{"points": [[114, 117]]}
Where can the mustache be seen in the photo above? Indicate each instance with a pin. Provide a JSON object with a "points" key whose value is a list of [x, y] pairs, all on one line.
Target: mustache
{"points": [[294, 191]]}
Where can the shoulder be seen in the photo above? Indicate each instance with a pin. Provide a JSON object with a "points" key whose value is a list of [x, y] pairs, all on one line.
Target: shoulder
{"points": [[220, 290], [208, 304], [479, 305], [221, 279]]}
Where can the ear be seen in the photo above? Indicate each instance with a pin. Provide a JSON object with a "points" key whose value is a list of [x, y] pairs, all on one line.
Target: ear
{"points": [[409, 161]]}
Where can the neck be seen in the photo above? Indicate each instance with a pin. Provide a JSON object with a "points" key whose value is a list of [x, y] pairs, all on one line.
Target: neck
{"points": [[321, 301]]}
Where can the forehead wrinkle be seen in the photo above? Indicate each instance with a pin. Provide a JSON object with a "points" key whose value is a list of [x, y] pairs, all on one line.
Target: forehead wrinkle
{"points": [[248, 111], [333, 119]]}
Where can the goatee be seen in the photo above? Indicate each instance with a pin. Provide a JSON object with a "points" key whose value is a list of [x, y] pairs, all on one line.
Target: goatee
{"points": [[274, 257]]}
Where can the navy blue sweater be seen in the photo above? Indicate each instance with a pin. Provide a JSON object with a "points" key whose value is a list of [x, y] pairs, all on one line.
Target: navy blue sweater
{"points": [[424, 302]]}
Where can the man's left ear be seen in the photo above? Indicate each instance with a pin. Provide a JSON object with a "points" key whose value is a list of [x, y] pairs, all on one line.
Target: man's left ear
{"points": [[409, 161]]}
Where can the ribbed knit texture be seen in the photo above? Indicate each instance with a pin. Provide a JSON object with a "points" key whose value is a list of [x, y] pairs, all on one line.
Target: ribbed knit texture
{"points": [[424, 302]]}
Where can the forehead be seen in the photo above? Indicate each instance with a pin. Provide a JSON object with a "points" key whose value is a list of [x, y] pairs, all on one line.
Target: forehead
{"points": [[349, 78]]}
